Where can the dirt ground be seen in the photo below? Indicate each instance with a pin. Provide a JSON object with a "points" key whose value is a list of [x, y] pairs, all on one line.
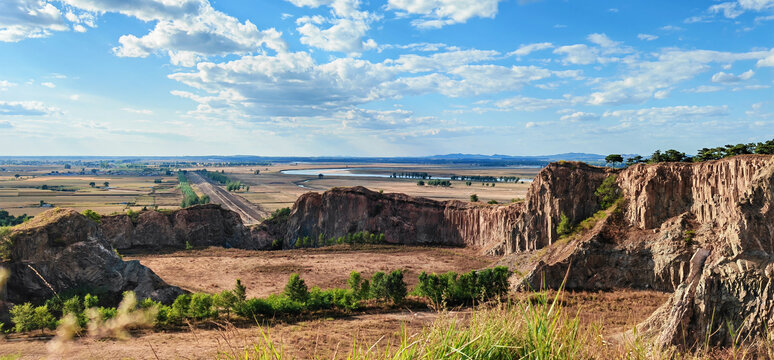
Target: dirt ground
{"points": [[324, 338], [266, 272]]}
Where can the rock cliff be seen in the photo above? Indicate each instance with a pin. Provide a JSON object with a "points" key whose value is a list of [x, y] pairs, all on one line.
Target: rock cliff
{"points": [[703, 230], [61, 250], [201, 225], [401, 218]]}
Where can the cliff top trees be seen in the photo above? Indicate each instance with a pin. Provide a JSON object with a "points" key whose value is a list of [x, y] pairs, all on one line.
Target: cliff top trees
{"points": [[613, 159]]}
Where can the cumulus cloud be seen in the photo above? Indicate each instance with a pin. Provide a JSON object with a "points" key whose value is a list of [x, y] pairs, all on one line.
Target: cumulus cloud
{"points": [[579, 116], [525, 50], [25, 108], [439, 13], [733, 9], [49, 85], [186, 30], [348, 26], [647, 79], [578, 54], [22, 19], [726, 78]]}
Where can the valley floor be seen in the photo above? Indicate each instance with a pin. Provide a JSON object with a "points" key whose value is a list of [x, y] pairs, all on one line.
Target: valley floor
{"points": [[264, 273]]}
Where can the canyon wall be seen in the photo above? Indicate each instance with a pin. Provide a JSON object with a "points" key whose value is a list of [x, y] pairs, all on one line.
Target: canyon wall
{"points": [[61, 250], [401, 218], [201, 225]]}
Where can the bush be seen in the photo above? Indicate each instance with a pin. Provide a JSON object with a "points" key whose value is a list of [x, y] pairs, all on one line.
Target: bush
{"points": [[253, 307], [27, 317], [564, 227], [451, 289], [225, 301], [396, 288], [296, 289], [492, 202], [200, 306], [179, 310], [281, 304], [378, 288], [354, 281], [473, 198], [319, 300], [92, 215], [608, 192]]}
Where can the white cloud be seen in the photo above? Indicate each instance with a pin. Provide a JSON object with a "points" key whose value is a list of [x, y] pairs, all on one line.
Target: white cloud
{"points": [[525, 50], [767, 61], [443, 61], [729, 9], [722, 77], [186, 30], [733, 9], [348, 26], [5, 85], [705, 89], [523, 103], [579, 116], [438, 13], [138, 111], [22, 19], [49, 85], [75, 97], [578, 54], [645, 79], [25, 108], [667, 115], [647, 37]]}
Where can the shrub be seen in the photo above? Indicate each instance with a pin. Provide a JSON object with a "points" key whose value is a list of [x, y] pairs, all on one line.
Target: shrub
{"points": [[27, 317], [451, 289], [253, 307], [378, 288], [473, 198], [276, 244], [396, 288], [179, 310], [608, 192], [564, 227], [107, 312], [200, 306], [90, 301], [281, 304], [240, 291], [296, 289], [354, 281], [188, 245], [226, 300], [92, 215], [492, 202], [319, 300]]}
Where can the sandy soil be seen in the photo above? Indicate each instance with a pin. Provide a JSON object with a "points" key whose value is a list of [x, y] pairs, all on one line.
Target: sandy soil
{"points": [[266, 272]]}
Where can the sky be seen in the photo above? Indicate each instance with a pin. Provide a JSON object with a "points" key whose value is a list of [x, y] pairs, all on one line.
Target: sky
{"points": [[383, 77]]}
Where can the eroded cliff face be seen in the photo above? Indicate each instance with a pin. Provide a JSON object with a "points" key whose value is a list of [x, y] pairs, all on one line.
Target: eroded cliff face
{"points": [[61, 250], [201, 225], [703, 230], [401, 218]]}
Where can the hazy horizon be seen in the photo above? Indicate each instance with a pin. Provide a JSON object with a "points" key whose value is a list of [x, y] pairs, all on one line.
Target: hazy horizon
{"points": [[388, 78]]}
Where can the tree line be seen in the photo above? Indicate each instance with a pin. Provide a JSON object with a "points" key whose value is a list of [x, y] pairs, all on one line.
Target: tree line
{"points": [[189, 195], [703, 154], [6, 219], [442, 290]]}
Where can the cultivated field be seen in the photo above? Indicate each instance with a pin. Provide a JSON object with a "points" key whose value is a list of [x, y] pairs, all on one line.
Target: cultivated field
{"points": [[270, 190]]}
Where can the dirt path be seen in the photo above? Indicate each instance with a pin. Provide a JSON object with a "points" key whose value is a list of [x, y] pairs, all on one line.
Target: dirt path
{"points": [[250, 213]]}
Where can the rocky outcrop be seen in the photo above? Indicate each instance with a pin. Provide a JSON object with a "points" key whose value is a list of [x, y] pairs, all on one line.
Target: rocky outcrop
{"points": [[61, 250], [201, 225], [402, 219], [703, 230]]}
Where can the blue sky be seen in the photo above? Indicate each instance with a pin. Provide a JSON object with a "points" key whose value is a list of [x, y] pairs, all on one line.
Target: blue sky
{"points": [[382, 78]]}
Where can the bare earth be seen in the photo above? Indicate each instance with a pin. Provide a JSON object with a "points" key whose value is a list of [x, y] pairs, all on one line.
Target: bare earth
{"points": [[266, 272]]}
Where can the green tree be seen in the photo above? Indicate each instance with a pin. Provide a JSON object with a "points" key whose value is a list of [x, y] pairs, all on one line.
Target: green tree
{"points": [[608, 192], [92, 184], [634, 160], [354, 281], [378, 287], [92, 215], [106, 184], [240, 291], [396, 288], [473, 198], [296, 288], [565, 226], [614, 159]]}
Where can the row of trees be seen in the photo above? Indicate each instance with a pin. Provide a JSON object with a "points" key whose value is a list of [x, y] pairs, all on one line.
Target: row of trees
{"points": [[383, 287], [412, 175], [704, 154], [486, 178], [363, 237]]}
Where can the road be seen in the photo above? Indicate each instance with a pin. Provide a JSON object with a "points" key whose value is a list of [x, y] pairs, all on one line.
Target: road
{"points": [[249, 212]]}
